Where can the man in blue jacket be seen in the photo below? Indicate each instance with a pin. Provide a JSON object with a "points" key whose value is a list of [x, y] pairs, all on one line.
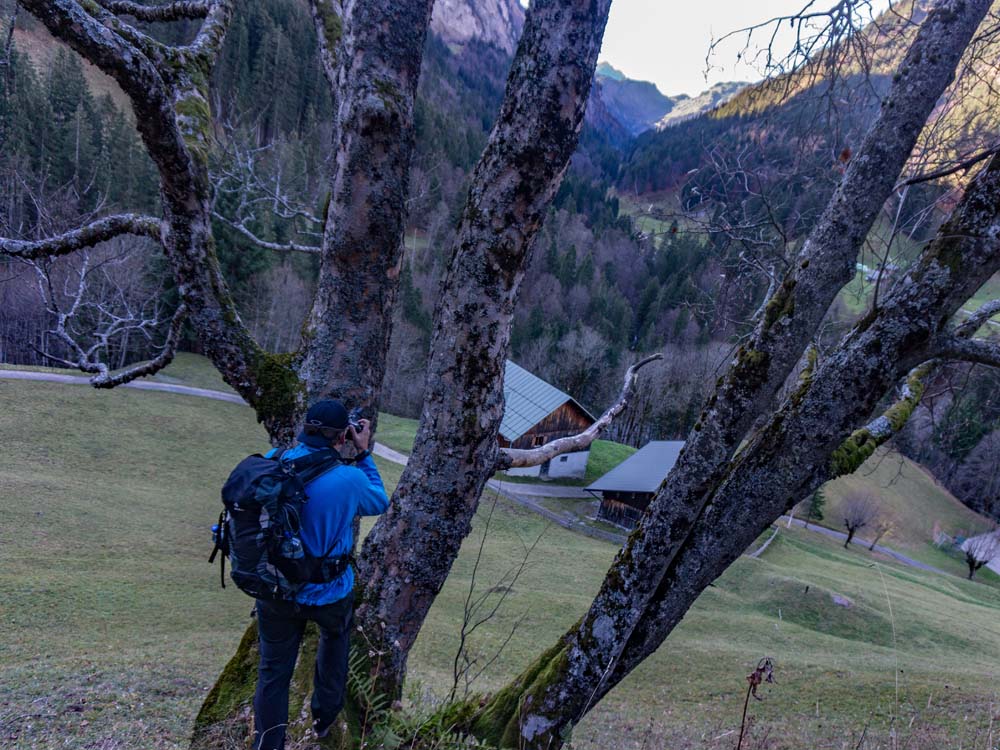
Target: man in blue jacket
{"points": [[335, 498]]}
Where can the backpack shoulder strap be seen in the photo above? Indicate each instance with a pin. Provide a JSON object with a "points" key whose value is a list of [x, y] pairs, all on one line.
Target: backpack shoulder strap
{"points": [[319, 468], [313, 464]]}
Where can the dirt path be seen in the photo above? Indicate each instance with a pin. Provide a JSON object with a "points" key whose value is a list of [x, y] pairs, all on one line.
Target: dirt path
{"points": [[142, 385], [841, 536]]}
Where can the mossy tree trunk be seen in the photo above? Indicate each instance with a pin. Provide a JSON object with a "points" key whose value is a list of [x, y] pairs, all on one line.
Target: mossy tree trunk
{"points": [[371, 56], [619, 627]]}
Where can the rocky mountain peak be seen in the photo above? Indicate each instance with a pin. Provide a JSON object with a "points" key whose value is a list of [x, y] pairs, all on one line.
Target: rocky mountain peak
{"points": [[494, 22]]}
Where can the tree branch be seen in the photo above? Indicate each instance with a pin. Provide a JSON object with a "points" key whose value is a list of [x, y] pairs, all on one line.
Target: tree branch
{"points": [[98, 231], [175, 11], [862, 443], [278, 247], [107, 379], [978, 319], [970, 350], [119, 50], [945, 171], [212, 33], [512, 457], [328, 15]]}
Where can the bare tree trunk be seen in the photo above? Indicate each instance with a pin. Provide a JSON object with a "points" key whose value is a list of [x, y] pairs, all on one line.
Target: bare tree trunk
{"points": [[409, 553]]}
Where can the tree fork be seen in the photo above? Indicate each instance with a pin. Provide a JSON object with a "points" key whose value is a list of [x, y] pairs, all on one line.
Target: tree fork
{"points": [[371, 58], [791, 456]]}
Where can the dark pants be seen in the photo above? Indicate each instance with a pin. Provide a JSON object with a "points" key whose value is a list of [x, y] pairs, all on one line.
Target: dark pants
{"points": [[280, 626]]}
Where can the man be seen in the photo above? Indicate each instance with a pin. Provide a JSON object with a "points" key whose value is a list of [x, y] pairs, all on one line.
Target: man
{"points": [[335, 498]]}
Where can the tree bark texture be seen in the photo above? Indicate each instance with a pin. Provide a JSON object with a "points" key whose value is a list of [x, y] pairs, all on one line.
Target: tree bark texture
{"points": [[409, 553], [603, 647], [371, 52]]}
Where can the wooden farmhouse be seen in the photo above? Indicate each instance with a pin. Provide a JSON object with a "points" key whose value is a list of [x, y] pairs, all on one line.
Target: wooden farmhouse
{"points": [[626, 491], [537, 413]]}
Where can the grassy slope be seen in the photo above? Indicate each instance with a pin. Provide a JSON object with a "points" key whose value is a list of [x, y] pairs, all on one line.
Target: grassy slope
{"points": [[114, 624], [916, 504]]}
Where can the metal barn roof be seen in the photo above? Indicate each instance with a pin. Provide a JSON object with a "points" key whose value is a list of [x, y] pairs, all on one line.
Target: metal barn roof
{"points": [[643, 470], [529, 400]]}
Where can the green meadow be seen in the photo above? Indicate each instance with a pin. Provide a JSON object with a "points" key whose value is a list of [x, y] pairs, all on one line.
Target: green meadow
{"points": [[114, 624]]}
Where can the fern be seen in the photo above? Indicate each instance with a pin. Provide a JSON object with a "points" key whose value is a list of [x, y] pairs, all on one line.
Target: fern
{"points": [[403, 729]]}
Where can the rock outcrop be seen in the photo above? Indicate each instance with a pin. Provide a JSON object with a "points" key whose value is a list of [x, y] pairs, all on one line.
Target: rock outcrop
{"points": [[494, 22]]}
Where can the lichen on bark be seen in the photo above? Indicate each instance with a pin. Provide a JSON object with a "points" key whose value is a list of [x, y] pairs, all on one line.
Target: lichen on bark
{"points": [[281, 393]]}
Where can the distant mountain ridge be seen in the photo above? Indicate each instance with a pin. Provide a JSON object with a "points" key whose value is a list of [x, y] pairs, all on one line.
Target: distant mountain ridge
{"points": [[640, 106], [686, 107]]}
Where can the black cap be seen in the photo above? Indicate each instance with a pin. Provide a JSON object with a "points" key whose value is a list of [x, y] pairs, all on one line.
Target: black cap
{"points": [[329, 413]]}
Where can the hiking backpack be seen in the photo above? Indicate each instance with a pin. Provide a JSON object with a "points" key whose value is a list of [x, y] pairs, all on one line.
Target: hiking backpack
{"points": [[259, 528]]}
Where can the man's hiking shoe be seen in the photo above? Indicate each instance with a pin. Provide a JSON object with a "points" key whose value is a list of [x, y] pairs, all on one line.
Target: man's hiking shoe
{"points": [[322, 730]]}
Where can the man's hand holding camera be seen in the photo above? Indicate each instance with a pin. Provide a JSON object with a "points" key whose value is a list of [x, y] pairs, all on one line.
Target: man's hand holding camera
{"points": [[360, 433]]}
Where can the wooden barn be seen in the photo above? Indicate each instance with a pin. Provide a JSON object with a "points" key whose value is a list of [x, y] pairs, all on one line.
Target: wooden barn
{"points": [[537, 413], [626, 491]]}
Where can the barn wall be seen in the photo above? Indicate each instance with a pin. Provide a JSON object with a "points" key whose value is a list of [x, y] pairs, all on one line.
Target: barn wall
{"points": [[524, 471], [568, 419], [623, 508], [569, 465], [618, 514]]}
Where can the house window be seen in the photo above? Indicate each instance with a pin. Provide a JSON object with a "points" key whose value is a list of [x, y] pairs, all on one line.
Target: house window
{"points": [[538, 440], [563, 459]]}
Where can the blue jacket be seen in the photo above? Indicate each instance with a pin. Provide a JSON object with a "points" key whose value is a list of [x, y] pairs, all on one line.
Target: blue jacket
{"points": [[335, 498]]}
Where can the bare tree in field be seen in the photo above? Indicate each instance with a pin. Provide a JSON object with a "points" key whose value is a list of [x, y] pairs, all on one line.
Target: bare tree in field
{"points": [[860, 511], [981, 550], [881, 526], [753, 448]]}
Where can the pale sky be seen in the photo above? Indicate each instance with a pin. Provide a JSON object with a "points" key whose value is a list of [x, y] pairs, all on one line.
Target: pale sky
{"points": [[665, 41]]}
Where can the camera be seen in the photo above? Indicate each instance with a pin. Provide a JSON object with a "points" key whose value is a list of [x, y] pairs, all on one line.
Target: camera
{"points": [[354, 418]]}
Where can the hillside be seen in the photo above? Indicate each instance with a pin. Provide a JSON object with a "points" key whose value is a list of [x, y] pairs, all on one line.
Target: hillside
{"points": [[917, 506], [819, 111], [115, 625], [34, 40]]}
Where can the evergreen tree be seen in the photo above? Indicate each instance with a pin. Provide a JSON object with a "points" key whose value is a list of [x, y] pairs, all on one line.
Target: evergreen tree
{"points": [[814, 511], [72, 135]]}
